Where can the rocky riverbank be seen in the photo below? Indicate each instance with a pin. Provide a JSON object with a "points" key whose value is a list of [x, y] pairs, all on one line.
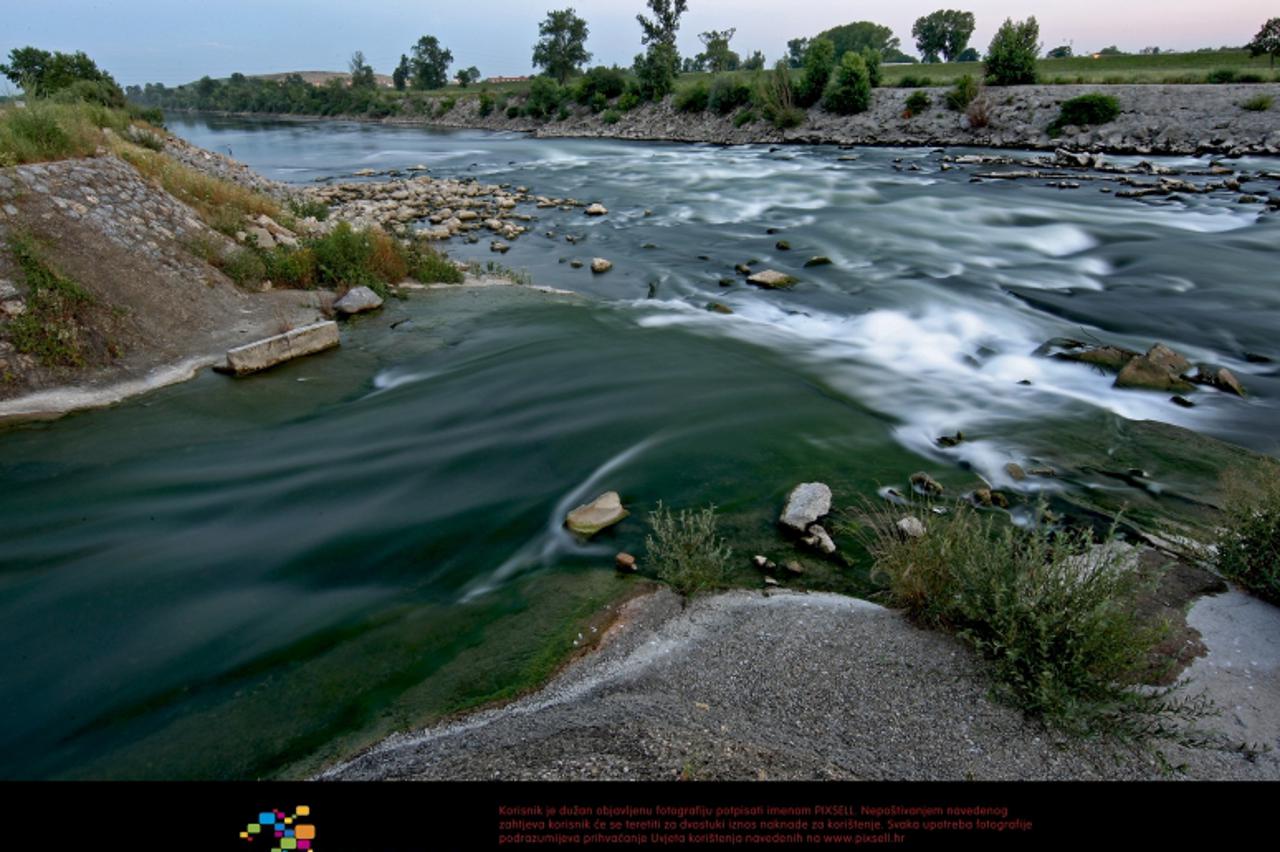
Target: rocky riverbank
{"points": [[747, 686], [1154, 119]]}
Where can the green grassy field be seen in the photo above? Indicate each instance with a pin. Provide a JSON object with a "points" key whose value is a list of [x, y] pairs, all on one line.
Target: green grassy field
{"points": [[1105, 70]]}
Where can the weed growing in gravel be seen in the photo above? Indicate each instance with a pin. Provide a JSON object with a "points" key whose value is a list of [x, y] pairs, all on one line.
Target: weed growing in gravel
{"points": [[1248, 545], [686, 551], [51, 327], [1053, 612]]}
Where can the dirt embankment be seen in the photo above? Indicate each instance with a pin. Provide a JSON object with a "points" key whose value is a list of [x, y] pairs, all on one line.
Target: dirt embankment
{"points": [[1154, 119], [150, 310]]}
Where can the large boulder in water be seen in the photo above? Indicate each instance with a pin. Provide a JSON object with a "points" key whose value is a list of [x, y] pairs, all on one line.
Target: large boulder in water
{"points": [[806, 503], [1160, 369], [357, 301], [601, 513]]}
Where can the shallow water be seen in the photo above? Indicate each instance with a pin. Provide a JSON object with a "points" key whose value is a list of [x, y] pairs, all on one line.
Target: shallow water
{"points": [[228, 578]]}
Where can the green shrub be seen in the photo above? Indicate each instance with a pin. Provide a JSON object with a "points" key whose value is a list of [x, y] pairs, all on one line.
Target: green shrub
{"points": [[343, 257], [445, 105], [598, 102], [1084, 111], [432, 267], [245, 266], [745, 117], [1011, 58], [850, 88], [871, 57], [685, 550], [692, 98], [289, 267], [1249, 77], [819, 63], [776, 98], [1258, 103], [611, 116], [962, 93], [909, 81], [545, 98], [607, 82], [1221, 75], [1053, 613], [1248, 545], [628, 101], [486, 104], [918, 103], [513, 112], [317, 210], [728, 92]]}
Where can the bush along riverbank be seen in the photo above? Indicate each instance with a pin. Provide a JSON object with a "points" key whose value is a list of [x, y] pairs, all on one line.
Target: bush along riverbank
{"points": [[1233, 119]]}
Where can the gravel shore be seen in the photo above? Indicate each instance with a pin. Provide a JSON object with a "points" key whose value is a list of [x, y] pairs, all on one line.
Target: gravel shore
{"points": [[820, 686]]}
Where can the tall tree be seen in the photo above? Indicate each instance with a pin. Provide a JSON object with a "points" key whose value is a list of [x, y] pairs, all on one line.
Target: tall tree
{"points": [[754, 62], [430, 63], [46, 73], [664, 25], [860, 35], [561, 49], [362, 76], [717, 55], [467, 76], [400, 76], [796, 49], [1267, 41], [658, 66], [944, 32]]}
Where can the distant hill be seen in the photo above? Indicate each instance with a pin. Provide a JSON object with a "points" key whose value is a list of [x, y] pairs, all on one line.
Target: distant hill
{"points": [[319, 78]]}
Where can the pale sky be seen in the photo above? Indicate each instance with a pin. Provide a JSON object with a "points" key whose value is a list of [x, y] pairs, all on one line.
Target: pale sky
{"points": [[175, 42]]}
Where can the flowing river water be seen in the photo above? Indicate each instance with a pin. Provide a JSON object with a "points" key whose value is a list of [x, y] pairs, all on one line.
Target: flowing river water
{"points": [[246, 578]]}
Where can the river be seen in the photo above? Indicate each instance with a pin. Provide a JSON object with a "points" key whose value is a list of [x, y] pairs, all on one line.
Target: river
{"points": [[249, 578]]}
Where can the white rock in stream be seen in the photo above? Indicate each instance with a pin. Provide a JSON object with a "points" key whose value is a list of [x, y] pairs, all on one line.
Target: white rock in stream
{"points": [[357, 301], [807, 502]]}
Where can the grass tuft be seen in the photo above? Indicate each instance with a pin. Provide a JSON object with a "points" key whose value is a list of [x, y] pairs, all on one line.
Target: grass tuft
{"points": [[686, 551]]}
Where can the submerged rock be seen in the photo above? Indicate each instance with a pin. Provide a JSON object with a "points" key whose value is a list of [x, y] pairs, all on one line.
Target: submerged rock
{"points": [[601, 513], [782, 245], [926, 484], [771, 279], [817, 260], [719, 308], [1220, 378], [819, 539], [358, 300], [806, 503]]}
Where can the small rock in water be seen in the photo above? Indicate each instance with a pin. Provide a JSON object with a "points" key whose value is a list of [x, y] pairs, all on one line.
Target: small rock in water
{"points": [[820, 539], [600, 265], [719, 308], [771, 279], [817, 260], [499, 246], [1182, 401], [1042, 471], [926, 484], [1221, 378], [625, 562], [769, 581], [760, 561], [1015, 471], [782, 245], [742, 269], [596, 209], [794, 568], [806, 503], [357, 300], [602, 512], [575, 263], [911, 527], [948, 441], [1160, 369]]}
